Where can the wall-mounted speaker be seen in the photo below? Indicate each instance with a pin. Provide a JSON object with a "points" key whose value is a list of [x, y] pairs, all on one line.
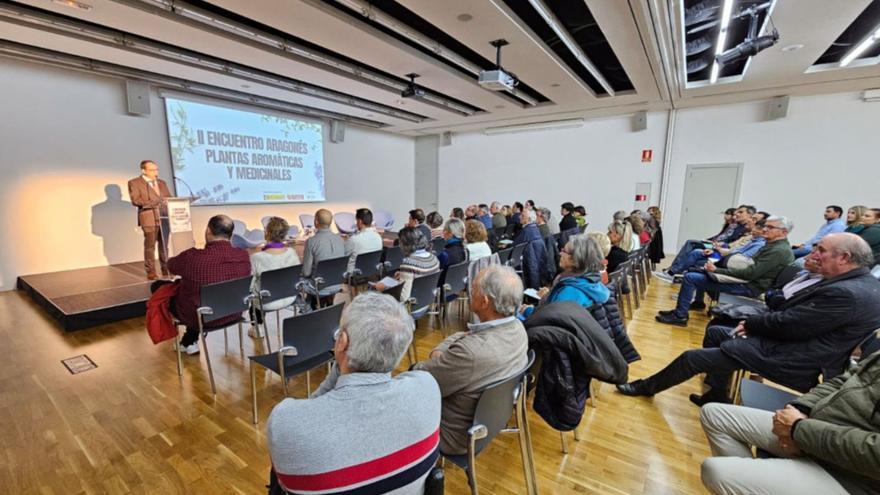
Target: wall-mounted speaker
{"points": [[640, 121], [337, 131], [778, 108], [137, 97], [446, 139]]}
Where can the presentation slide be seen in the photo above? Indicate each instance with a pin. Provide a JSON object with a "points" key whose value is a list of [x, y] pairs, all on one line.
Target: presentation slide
{"points": [[229, 156]]}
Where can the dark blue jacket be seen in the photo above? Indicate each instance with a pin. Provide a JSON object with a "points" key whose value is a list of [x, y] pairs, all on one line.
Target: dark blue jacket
{"points": [[533, 255]]}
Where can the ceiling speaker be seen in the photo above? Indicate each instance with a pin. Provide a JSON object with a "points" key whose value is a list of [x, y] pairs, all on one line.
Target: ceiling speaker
{"points": [[778, 108], [640, 121], [137, 97]]}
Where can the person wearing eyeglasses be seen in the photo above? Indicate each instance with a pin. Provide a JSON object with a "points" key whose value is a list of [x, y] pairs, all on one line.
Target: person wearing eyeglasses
{"points": [[749, 281]]}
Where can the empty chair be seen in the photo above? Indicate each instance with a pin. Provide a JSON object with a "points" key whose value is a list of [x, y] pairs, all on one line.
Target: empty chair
{"points": [[366, 265], [239, 227], [277, 286], [251, 239], [328, 277], [219, 301], [498, 402], [455, 285], [515, 260], [307, 221], [422, 295], [307, 344], [345, 222], [293, 232], [383, 219], [392, 257]]}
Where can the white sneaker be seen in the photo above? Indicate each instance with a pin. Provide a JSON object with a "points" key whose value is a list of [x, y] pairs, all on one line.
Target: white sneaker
{"points": [[662, 275], [191, 349], [255, 332]]}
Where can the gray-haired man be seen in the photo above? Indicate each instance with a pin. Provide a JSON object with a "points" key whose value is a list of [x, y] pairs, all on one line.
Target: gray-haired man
{"points": [[466, 362], [359, 406]]}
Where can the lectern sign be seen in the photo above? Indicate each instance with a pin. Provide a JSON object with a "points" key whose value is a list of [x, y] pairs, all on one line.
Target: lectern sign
{"points": [[179, 218]]}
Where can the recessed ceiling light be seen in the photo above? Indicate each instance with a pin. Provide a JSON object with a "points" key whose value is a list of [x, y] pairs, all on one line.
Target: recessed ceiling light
{"points": [[792, 48], [464, 17], [73, 4], [499, 106], [245, 86], [554, 85]]}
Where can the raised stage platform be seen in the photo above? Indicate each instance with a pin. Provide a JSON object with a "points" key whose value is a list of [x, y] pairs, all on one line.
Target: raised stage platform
{"points": [[88, 297]]}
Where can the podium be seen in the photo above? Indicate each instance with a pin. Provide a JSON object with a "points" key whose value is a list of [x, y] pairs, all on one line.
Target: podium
{"points": [[177, 225]]}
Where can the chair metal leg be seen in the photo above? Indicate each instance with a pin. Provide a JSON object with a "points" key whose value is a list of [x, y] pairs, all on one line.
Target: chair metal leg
{"points": [[594, 394], [472, 478], [524, 429], [208, 360], [177, 345], [278, 328], [254, 390], [308, 383], [634, 289], [577, 435], [564, 442], [524, 450], [266, 335], [241, 340], [225, 342]]}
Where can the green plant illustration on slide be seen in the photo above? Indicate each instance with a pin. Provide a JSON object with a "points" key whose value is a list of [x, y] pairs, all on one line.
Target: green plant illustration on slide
{"points": [[183, 139], [289, 126]]}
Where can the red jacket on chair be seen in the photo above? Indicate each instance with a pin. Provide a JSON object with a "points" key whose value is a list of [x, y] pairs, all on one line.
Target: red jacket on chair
{"points": [[160, 323]]}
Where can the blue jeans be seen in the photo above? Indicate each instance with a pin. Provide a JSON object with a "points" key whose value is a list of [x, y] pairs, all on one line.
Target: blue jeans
{"points": [[801, 251], [695, 281], [680, 263]]}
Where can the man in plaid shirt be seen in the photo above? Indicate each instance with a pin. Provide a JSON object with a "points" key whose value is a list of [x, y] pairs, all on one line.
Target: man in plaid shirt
{"points": [[217, 262]]}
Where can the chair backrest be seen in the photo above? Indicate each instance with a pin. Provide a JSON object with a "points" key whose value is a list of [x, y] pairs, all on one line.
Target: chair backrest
{"points": [[876, 272], [307, 221], [423, 290], [280, 283], [368, 264], [346, 223], [456, 277], [256, 236], [395, 291], [225, 298], [383, 219], [238, 241], [265, 221], [331, 271], [496, 403], [293, 232], [504, 255], [499, 232], [392, 257], [239, 227], [312, 333], [516, 256], [438, 245]]}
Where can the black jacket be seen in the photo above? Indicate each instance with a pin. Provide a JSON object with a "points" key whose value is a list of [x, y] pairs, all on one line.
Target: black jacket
{"points": [[813, 332], [608, 316], [655, 249], [573, 349], [568, 222], [615, 257], [533, 255]]}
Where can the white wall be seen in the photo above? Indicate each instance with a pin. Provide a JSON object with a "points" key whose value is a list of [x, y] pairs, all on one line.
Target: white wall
{"points": [[824, 152], [67, 145], [597, 165]]}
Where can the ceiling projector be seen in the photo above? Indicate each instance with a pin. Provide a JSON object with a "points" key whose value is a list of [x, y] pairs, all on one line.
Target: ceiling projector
{"points": [[497, 79], [412, 90], [753, 44]]}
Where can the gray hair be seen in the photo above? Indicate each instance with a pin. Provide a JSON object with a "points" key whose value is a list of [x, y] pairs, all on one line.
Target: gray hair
{"points": [[455, 227], [601, 240], [545, 212], [858, 249], [585, 254], [786, 223], [379, 332], [495, 204], [619, 216], [529, 215], [502, 286]]}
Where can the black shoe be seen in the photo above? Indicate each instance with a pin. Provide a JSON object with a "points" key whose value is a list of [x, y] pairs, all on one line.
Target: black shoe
{"points": [[697, 306], [633, 389], [666, 312], [672, 319], [702, 400]]}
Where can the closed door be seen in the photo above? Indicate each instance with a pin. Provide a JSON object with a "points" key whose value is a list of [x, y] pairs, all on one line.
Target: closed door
{"points": [[708, 191]]}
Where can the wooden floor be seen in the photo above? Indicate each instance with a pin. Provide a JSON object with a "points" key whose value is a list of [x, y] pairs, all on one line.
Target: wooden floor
{"points": [[133, 426]]}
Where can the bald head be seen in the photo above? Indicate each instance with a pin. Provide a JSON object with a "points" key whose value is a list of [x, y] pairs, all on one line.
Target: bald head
{"points": [[219, 228], [836, 254], [323, 219]]}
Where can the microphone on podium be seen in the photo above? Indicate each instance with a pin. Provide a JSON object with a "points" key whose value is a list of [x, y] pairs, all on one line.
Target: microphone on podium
{"points": [[191, 195]]}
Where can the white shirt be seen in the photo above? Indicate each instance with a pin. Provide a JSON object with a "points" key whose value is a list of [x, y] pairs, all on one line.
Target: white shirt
{"points": [[478, 250], [636, 243], [263, 262], [362, 241]]}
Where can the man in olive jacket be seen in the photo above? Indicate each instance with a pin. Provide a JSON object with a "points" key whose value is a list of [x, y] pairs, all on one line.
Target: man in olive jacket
{"points": [[749, 281], [827, 441], [810, 334]]}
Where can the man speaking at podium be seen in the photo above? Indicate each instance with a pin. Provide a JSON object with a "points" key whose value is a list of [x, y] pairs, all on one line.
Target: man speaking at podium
{"points": [[148, 193]]}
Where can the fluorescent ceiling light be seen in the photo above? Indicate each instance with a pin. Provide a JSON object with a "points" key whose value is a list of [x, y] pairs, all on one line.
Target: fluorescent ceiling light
{"points": [[535, 126], [557, 27], [722, 39], [861, 48]]}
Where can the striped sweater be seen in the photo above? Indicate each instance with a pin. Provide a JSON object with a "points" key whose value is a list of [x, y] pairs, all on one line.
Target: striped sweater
{"points": [[413, 266], [360, 433]]}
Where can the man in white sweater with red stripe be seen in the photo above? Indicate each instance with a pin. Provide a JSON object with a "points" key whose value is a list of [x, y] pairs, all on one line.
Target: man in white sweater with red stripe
{"points": [[362, 431]]}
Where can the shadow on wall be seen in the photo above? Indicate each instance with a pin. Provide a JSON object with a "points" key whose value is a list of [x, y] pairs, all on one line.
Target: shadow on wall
{"points": [[115, 222]]}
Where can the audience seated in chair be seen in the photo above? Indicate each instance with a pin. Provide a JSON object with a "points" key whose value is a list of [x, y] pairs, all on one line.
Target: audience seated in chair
{"points": [[749, 280], [868, 229], [434, 221], [466, 362], [417, 220], [825, 441], [733, 229], [498, 218], [475, 240], [275, 254], [217, 262], [417, 260], [534, 252], [364, 240], [381, 432], [454, 251], [484, 216], [834, 223], [618, 232], [809, 334], [324, 245], [568, 221]]}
